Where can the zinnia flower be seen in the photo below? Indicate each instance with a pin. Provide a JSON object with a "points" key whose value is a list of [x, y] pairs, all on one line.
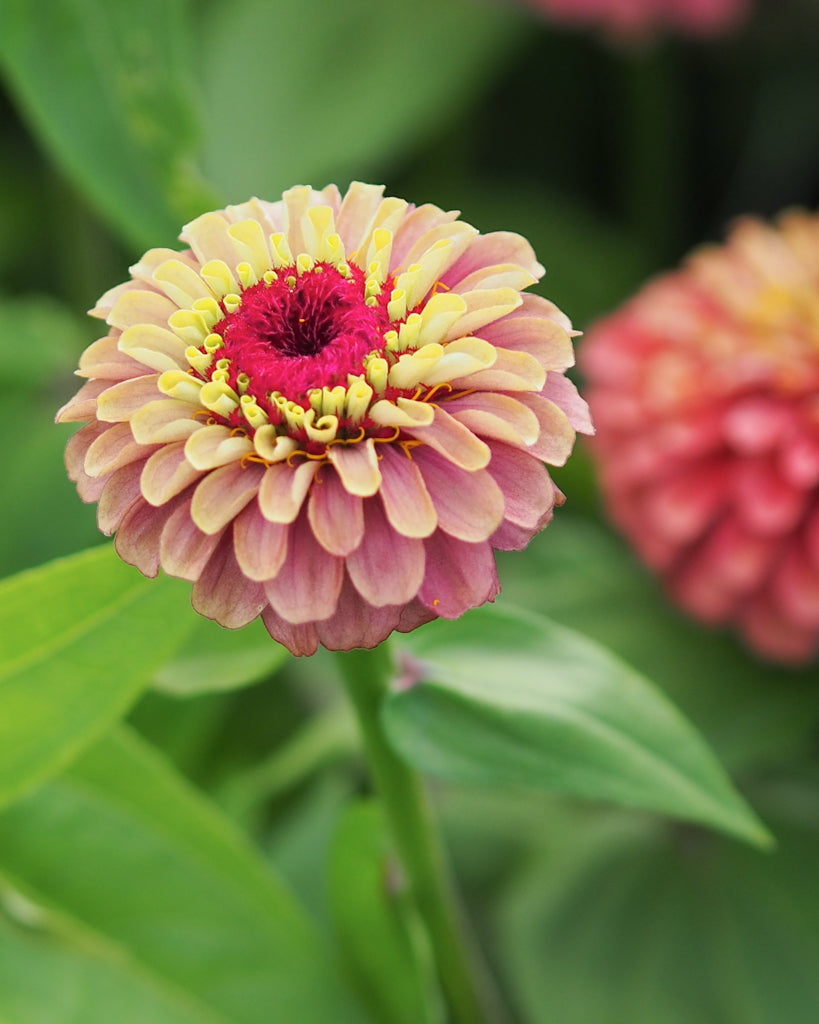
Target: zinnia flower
{"points": [[705, 393], [327, 411], [632, 18]]}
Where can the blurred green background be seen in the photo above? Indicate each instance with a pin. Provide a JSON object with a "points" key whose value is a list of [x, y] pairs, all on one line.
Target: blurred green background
{"points": [[121, 121]]}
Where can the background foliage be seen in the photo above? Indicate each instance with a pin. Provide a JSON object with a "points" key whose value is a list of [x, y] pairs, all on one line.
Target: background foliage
{"points": [[214, 857]]}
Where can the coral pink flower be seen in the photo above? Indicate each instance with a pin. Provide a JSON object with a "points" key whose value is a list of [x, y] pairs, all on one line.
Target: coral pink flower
{"points": [[328, 411], [705, 393], [631, 18]]}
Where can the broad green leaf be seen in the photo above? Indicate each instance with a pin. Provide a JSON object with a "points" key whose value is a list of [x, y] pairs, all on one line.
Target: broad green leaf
{"points": [[506, 697], [108, 88], [383, 943], [216, 659], [124, 848], [80, 638], [44, 980], [577, 573], [640, 926], [312, 92]]}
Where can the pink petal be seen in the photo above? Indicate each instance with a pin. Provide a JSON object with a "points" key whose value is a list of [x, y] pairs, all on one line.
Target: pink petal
{"points": [[299, 640], [467, 505], [497, 416], [336, 516], [387, 568], [511, 371], [544, 340], [562, 392], [772, 635], [307, 586], [184, 550], [119, 494], [357, 466], [490, 249], [765, 501], [509, 537], [528, 492], [223, 493], [406, 500], [357, 211], [414, 226], [224, 593], [283, 489], [83, 406], [103, 360], [77, 448], [113, 449], [208, 238], [459, 576], [452, 440], [682, 507], [137, 539], [261, 546], [166, 473], [556, 435], [141, 307], [796, 589], [356, 623]]}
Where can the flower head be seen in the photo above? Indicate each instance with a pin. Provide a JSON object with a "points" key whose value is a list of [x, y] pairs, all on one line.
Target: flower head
{"points": [[705, 392], [327, 411], [634, 18]]}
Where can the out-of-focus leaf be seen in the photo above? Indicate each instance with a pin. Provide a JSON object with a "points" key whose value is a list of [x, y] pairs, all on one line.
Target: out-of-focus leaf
{"points": [[637, 926], [577, 573], [109, 90], [312, 92], [383, 943], [124, 848], [216, 659], [80, 638], [504, 696], [46, 981]]}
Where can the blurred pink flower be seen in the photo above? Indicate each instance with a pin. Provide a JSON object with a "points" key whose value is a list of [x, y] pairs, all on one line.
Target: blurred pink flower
{"points": [[633, 18], [705, 393], [328, 411]]}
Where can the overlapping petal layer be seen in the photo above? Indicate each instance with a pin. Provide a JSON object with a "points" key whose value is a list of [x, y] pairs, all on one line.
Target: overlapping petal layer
{"points": [[327, 411], [632, 18], [705, 393]]}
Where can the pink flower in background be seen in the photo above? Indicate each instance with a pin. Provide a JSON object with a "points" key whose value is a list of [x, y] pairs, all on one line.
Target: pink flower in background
{"points": [[644, 17], [327, 411], [705, 394]]}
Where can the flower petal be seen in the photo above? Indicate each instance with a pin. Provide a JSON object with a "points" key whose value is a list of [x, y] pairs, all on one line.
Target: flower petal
{"points": [[497, 416], [103, 360], [284, 488], [223, 493], [403, 492], [119, 402], [119, 494], [307, 586], [216, 445], [454, 441], [528, 492], [355, 623], [166, 473], [357, 466], [336, 515], [261, 546], [387, 567], [114, 448], [141, 307], [224, 593], [165, 420], [468, 505], [300, 640], [556, 435], [458, 576], [184, 549]]}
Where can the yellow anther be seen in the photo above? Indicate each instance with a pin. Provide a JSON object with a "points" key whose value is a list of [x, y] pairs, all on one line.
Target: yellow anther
{"points": [[344, 269], [232, 302], [247, 275], [391, 340], [273, 447], [397, 306], [333, 400], [290, 281], [242, 383], [304, 263], [377, 370], [359, 396], [214, 342], [323, 430], [252, 412], [334, 248], [270, 276], [372, 300], [294, 415]]}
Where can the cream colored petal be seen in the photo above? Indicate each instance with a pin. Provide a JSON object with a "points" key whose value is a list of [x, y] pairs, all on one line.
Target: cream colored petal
{"points": [[482, 307], [416, 224], [296, 201], [356, 213], [357, 465], [260, 546], [459, 233], [503, 275], [107, 301], [251, 245], [222, 494], [458, 359], [453, 440], [143, 269], [83, 406], [498, 416], [180, 283], [284, 488], [387, 217], [141, 307], [163, 421], [113, 449], [103, 360], [216, 445], [490, 250], [209, 239], [121, 401], [556, 435], [154, 347], [335, 516], [546, 341], [511, 371], [166, 473], [438, 315], [404, 412], [406, 500]]}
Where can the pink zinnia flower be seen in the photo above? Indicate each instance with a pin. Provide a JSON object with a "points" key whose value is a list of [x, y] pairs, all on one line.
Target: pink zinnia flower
{"points": [[645, 17], [705, 393], [327, 411]]}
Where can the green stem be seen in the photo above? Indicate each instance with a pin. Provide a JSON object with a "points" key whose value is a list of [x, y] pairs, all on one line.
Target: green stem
{"points": [[471, 995]]}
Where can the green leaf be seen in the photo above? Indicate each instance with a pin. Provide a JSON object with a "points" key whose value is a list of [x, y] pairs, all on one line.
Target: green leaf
{"points": [[578, 573], [312, 92], [385, 948], [80, 638], [216, 659], [638, 926], [506, 697], [46, 981], [127, 851], [108, 89]]}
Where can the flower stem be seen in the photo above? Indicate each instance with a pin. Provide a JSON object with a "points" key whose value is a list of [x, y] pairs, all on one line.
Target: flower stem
{"points": [[467, 985]]}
